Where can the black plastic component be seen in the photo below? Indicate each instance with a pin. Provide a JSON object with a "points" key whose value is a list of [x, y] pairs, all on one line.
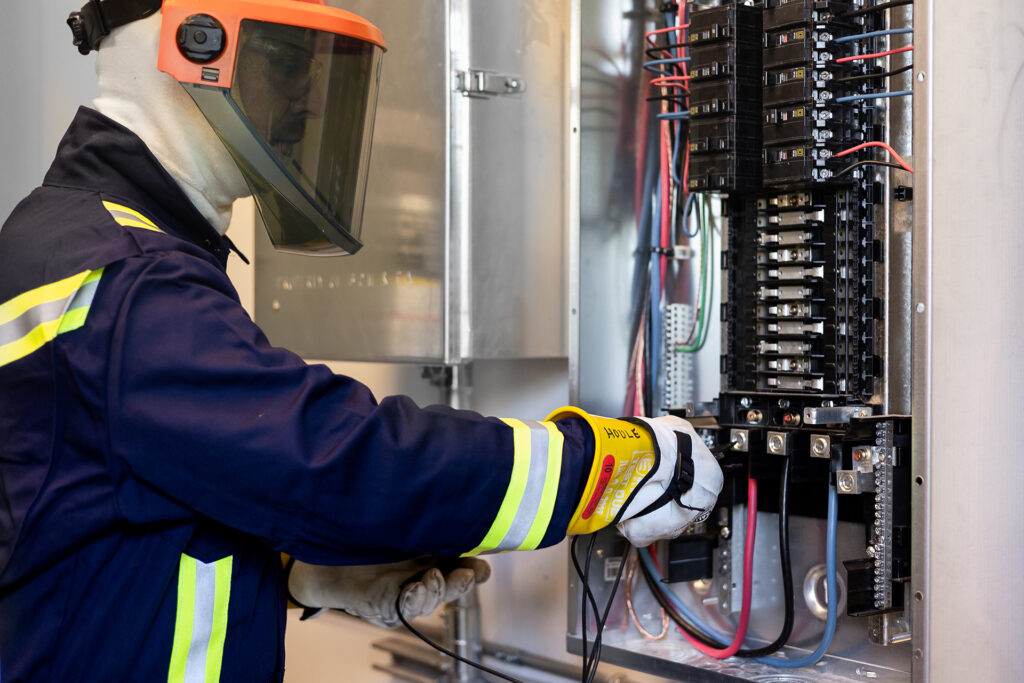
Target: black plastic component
{"points": [[201, 39], [723, 172], [722, 60], [780, 13], [725, 23], [98, 18], [691, 558], [725, 98], [721, 134], [902, 193]]}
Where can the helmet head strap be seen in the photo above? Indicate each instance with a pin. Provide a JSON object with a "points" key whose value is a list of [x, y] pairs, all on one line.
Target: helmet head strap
{"points": [[98, 18]]}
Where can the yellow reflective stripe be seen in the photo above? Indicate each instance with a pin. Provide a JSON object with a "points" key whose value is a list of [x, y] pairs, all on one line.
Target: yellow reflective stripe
{"points": [[139, 221], [78, 309], [32, 341], [547, 502], [516, 486], [57, 308], [20, 304], [130, 223], [201, 620], [183, 619], [219, 632]]}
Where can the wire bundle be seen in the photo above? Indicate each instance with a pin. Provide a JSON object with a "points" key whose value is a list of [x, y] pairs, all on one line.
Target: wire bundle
{"points": [[666, 213], [591, 660], [707, 639]]}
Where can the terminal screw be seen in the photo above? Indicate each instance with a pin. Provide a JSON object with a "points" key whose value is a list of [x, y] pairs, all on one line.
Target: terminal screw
{"points": [[776, 444], [820, 445], [846, 482]]}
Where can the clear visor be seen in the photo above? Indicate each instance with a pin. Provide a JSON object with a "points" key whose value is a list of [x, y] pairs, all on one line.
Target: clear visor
{"points": [[306, 100]]}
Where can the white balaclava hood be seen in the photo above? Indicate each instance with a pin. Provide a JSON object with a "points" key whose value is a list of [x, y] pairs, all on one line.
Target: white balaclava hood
{"points": [[156, 107]]}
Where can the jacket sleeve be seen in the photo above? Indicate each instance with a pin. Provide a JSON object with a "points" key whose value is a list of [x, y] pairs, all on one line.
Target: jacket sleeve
{"points": [[206, 416]]}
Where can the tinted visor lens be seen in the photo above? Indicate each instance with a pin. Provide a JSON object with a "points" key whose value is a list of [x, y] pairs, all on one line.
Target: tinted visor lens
{"points": [[310, 98]]}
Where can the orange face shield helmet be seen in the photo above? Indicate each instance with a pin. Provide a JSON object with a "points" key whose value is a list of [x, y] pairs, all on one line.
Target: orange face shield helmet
{"points": [[290, 86]]}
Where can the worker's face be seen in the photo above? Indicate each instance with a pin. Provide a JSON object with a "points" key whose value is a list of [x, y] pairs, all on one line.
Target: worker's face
{"points": [[279, 88]]}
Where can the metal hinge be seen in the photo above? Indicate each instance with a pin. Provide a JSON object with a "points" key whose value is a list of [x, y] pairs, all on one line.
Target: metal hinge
{"points": [[477, 83]]}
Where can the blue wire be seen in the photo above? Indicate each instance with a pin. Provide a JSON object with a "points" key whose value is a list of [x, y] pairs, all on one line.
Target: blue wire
{"points": [[832, 589], [645, 557], [673, 60], [679, 115], [874, 95], [675, 148], [691, 201], [655, 350], [873, 34], [651, 65]]}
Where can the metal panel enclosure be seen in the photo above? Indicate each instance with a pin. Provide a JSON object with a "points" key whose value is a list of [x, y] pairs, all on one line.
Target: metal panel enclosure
{"points": [[465, 223]]}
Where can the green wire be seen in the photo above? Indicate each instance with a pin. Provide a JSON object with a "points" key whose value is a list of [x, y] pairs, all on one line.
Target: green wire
{"points": [[707, 275]]}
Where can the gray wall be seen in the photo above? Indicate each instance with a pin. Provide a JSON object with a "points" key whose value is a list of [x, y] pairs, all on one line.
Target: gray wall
{"points": [[43, 80]]}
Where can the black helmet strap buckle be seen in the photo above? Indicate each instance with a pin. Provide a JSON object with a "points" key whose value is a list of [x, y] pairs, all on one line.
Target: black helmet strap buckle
{"points": [[98, 18]]}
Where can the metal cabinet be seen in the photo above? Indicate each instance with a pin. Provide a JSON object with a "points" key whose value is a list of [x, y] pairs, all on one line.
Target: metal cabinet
{"points": [[466, 220]]}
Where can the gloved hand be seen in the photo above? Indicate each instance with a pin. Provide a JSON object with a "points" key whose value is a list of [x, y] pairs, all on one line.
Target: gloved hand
{"points": [[681, 490], [651, 477], [370, 591]]}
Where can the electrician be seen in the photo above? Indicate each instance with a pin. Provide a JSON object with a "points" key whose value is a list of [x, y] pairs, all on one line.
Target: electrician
{"points": [[158, 454]]}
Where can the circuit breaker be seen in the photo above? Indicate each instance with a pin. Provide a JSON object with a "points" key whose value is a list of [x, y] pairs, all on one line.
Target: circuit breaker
{"points": [[766, 305]]}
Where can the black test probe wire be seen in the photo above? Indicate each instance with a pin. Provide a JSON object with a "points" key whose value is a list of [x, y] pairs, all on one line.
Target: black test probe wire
{"points": [[589, 664]]}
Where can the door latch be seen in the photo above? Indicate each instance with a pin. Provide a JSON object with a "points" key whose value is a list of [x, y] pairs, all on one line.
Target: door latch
{"points": [[484, 84]]}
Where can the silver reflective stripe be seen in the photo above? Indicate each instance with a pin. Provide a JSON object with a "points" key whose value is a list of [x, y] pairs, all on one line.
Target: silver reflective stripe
{"points": [[200, 627], [30, 319], [202, 623], [129, 218], [85, 294], [530, 502], [36, 317]]}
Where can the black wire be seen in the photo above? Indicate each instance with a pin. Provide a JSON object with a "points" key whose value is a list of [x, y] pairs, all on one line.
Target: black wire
{"points": [[590, 664], [677, 99], [670, 610], [428, 641], [587, 593], [877, 8], [867, 162], [863, 77], [787, 570]]}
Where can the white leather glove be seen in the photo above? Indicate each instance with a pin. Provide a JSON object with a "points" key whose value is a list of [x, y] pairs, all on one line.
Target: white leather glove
{"points": [[681, 491], [370, 591]]}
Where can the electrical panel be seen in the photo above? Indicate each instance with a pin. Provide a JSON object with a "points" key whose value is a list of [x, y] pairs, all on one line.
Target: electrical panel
{"points": [[792, 114]]}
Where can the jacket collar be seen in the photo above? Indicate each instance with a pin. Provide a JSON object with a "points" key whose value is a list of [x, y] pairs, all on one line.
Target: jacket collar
{"points": [[100, 155]]}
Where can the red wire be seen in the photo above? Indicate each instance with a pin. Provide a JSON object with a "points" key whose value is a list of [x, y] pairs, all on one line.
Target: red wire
{"points": [[665, 201], [884, 146], [873, 55], [670, 81], [659, 31], [748, 582]]}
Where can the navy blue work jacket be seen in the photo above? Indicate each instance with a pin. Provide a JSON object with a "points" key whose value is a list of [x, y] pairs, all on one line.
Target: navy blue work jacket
{"points": [[157, 454]]}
